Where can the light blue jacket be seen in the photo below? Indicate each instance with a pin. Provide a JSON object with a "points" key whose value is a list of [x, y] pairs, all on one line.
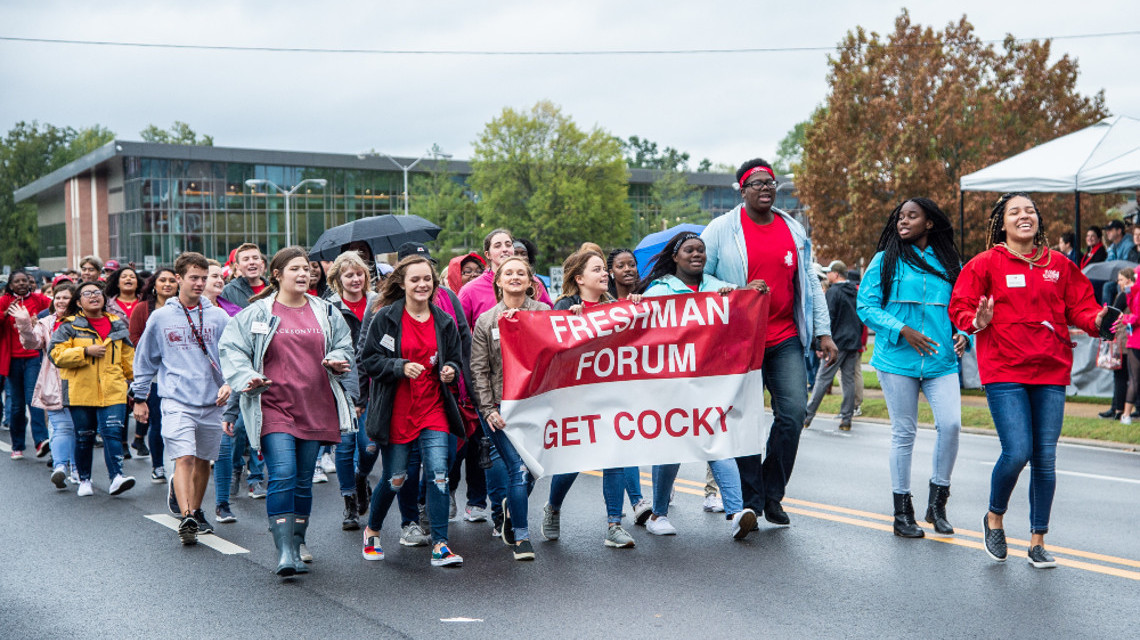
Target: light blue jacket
{"points": [[1119, 251], [727, 259], [672, 285], [919, 300], [243, 358], [169, 353]]}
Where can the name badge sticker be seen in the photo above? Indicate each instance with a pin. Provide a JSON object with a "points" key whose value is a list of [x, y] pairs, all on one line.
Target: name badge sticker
{"points": [[1015, 280], [260, 328], [388, 342], [495, 333]]}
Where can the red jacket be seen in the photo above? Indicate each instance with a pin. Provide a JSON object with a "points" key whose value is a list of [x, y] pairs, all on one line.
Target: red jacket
{"points": [[10, 346], [1018, 345]]}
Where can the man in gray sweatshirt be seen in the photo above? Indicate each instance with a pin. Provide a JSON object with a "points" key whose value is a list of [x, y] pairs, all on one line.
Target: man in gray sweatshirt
{"points": [[179, 349]]}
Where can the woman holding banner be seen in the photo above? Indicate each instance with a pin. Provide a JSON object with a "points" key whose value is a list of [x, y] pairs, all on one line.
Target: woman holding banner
{"points": [[679, 269], [585, 284], [514, 288], [1019, 298], [412, 354]]}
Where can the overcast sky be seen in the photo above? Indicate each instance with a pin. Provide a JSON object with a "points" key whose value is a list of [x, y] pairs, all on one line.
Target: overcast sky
{"points": [[727, 107]]}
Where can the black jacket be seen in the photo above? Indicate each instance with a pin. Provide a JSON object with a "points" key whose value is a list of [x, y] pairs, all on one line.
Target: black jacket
{"points": [[846, 328], [385, 367]]}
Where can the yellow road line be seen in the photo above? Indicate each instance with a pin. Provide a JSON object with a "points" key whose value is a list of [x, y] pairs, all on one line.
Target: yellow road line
{"points": [[871, 520]]}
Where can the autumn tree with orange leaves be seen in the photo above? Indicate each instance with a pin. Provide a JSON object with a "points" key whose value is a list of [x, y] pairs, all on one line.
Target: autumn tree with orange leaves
{"points": [[910, 115]]}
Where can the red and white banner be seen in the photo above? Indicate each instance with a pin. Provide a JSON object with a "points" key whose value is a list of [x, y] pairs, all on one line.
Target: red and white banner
{"points": [[672, 379]]}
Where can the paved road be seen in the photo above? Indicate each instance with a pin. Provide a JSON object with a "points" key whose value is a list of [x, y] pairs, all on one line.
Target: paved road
{"points": [[98, 567]]}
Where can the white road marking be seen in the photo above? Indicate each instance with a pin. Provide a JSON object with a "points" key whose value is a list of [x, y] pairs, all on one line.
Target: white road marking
{"points": [[1078, 474], [5, 447], [461, 619], [210, 540]]}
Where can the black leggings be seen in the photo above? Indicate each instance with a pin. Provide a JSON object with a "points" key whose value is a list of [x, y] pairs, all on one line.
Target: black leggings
{"points": [[1133, 375]]}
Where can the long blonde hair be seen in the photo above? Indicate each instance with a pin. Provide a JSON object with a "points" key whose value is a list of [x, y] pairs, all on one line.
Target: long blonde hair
{"points": [[530, 292], [348, 259]]}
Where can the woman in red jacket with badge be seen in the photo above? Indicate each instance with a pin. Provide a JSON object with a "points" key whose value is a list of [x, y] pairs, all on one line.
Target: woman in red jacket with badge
{"points": [[1020, 298]]}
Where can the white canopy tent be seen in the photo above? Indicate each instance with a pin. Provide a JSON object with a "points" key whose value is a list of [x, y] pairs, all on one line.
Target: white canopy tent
{"points": [[1101, 158]]}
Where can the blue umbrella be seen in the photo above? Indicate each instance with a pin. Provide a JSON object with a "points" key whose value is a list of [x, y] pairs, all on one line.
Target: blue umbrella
{"points": [[651, 244]]}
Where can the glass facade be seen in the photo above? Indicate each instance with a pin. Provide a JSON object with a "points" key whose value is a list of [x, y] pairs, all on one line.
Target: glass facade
{"points": [[53, 240], [171, 206]]}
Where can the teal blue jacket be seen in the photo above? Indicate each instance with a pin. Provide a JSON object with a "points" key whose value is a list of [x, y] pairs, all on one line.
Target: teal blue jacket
{"points": [[672, 285], [919, 300]]}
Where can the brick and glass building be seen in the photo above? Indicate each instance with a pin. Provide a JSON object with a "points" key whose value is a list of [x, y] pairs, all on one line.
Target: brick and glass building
{"points": [[147, 202]]}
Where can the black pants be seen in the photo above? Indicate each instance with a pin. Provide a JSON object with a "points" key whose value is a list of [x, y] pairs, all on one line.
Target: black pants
{"points": [[1119, 386]]}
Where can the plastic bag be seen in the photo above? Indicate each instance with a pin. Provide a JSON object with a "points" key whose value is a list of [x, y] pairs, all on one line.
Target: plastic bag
{"points": [[1109, 354]]}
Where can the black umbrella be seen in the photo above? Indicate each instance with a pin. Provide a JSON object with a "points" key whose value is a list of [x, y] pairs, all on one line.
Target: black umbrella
{"points": [[384, 234]]}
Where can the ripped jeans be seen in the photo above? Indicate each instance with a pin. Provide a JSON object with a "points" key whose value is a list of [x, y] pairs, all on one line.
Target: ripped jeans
{"points": [[433, 446], [519, 483]]}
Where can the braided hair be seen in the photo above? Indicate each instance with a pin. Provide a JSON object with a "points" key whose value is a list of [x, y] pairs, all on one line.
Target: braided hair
{"points": [[664, 263], [997, 220], [613, 255], [940, 238]]}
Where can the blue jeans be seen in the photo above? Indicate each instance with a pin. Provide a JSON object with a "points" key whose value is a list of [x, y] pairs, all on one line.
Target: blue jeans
{"points": [[727, 476], [223, 471], [519, 484], [154, 427], [498, 479], [242, 449], [613, 491], [352, 447], [945, 398], [290, 462], [633, 484], [20, 386], [62, 438], [433, 446], [1028, 419], [784, 376], [468, 455], [109, 422]]}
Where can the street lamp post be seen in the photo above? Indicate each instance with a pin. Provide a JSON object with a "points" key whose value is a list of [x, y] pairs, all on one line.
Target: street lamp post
{"points": [[251, 183], [434, 153]]}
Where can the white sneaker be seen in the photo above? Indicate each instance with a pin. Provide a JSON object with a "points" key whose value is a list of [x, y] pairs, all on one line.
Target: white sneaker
{"points": [[1126, 418], [475, 514], [319, 476], [743, 523], [85, 489], [327, 463], [660, 526], [59, 477], [714, 504], [74, 477], [641, 511], [121, 484]]}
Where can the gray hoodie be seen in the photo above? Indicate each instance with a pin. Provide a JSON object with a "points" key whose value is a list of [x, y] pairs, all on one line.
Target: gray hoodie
{"points": [[168, 350]]}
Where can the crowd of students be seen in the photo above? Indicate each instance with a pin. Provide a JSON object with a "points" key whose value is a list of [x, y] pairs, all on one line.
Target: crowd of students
{"points": [[405, 369]]}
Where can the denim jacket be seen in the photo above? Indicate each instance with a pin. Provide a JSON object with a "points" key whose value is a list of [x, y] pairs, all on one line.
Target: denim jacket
{"points": [[727, 259], [243, 358], [919, 300]]}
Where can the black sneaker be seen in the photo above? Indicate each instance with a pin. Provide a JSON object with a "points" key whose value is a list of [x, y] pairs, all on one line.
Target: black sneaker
{"points": [[508, 531], [204, 525], [188, 530], [223, 514], [995, 542], [774, 513], [523, 550], [126, 452], [171, 499], [1040, 558], [140, 447]]}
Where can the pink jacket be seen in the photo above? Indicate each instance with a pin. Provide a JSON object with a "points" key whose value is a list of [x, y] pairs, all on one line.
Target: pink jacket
{"points": [[1132, 318], [48, 394]]}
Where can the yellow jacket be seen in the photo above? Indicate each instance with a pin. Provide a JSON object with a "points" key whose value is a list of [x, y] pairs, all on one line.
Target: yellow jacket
{"points": [[87, 381]]}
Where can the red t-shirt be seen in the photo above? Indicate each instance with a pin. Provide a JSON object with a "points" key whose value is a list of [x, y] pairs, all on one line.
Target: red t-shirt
{"points": [[419, 402], [127, 307], [357, 308], [299, 401], [258, 288], [101, 325], [586, 304], [772, 258]]}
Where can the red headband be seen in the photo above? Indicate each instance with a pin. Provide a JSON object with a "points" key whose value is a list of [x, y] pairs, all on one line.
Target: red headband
{"points": [[753, 170]]}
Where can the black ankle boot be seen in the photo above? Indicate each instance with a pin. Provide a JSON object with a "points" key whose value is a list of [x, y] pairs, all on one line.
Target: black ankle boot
{"points": [[282, 528], [350, 522], [905, 525], [936, 509]]}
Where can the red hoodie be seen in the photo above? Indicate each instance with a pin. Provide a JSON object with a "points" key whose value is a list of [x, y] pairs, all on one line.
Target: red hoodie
{"points": [[1028, 340]]}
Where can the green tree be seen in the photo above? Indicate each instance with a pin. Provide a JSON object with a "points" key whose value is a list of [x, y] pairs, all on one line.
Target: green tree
{"points": [[673, 200], [440, 196], [541, 176], [30, 151], [790, 151], [641, 153], [178, 133]]}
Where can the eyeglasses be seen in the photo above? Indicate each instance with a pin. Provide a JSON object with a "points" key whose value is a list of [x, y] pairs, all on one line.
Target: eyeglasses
{"points": [[760, 184], [92, 293]]}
